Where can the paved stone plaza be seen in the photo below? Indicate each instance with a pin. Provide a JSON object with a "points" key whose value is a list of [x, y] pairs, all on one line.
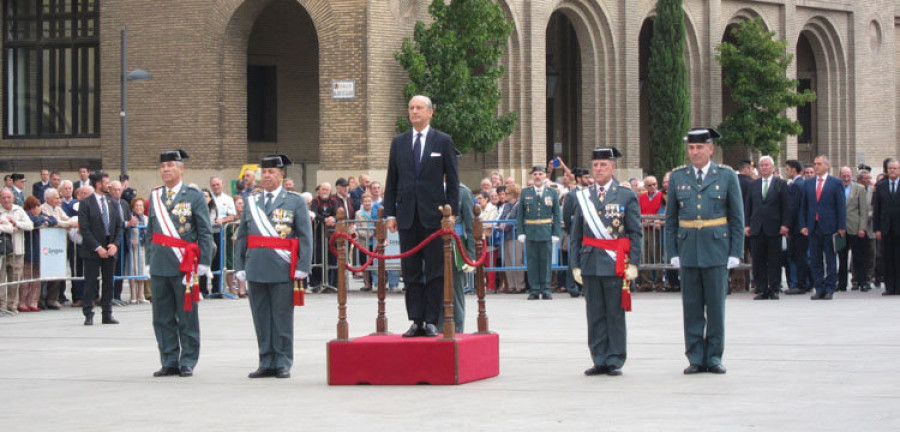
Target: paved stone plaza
{"points": [[793, 365]]}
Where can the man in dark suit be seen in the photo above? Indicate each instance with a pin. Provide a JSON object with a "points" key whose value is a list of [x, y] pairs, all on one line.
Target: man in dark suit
{"points": [[745, 176], [823, 212], [37, 189], [798, 246], [886, 212], [128, 221], [414, 191], [83, 178], [767, 214], [101, 229]]}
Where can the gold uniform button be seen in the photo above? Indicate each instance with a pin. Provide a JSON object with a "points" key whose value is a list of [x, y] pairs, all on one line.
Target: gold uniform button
{"points": [[699, 196], [698, 206], [725, 235]]}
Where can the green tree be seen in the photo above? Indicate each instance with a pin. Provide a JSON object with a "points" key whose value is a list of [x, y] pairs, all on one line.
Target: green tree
{"points": [[455, 62], [754, 67], [667, 83]]}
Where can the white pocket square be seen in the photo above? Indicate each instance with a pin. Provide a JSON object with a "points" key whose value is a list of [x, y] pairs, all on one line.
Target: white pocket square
{"points": [[435, 154]]}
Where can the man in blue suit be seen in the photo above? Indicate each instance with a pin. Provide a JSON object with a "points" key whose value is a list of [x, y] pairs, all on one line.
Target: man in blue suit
{"points": [[823, 212], [798, 244], [414, 191]]}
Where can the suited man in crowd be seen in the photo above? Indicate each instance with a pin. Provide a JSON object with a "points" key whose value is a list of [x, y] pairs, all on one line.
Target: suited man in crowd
{"points": [[823, 213], [177, 213], [568, 216], [101, 230], [767, 214], [798, 244], [129, 221], [280, 214], [37, 189], [538, 225], [414, 191], [83, 178], [886, 204], [617, 209], [857, 223], [704, 227]]}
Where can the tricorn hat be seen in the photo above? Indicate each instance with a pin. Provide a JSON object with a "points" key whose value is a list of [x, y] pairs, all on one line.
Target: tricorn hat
{"points": [[276, 161], [173, 156], [606, 153], [538, 168], [701, 135]]}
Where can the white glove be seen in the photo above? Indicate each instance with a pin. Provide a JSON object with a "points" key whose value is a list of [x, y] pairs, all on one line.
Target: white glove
{"points": [[631, 272], [467, 268], [241, 275], [576, 275], [300, 274], [554, 239], [733, 262], [203, 270], [521, 238], [675, 262]]}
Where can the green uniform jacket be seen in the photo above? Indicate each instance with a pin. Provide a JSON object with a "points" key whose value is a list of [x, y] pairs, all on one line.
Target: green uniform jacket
{"points": [[196, 226], [621, 215], [718, 196], [263, 264], [534, 207]]}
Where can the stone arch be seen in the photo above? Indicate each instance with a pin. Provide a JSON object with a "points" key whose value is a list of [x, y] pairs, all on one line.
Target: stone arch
{"points": [[833, 105], [510, 152], [599, 94], [745, 14], [228, 29]]}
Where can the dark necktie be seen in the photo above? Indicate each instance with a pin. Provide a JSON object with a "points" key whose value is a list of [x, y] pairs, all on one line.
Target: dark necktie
{"points": [[269, 201], [699, 177], [893, 186], [104, 214], [417, 150]]}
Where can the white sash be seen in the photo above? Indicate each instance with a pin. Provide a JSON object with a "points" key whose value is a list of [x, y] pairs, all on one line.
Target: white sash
{"points": [[165, 222], [593, 219], [265, 226]]}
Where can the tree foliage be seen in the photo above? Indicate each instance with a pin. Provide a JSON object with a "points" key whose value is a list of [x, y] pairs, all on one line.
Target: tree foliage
{"points": [[755, 67], [668, 87], [455, 62]]}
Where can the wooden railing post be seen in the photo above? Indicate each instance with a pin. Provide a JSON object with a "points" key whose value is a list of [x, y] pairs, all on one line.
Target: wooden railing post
{"points": [[380, 236], [342, 330], [478, 233], [449, 325]]}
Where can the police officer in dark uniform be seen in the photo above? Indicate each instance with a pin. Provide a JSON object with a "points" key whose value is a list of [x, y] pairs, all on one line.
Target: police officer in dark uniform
{"points": [[704, 237]]}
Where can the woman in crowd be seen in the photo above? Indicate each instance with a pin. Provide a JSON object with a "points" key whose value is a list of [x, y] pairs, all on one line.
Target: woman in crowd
{"points": [[30, 292], [136, 259], [489, 212], [366, 231], [213, 216], [54, 207]]}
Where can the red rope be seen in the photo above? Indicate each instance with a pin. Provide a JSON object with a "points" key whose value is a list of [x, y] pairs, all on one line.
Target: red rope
{"points": [[373, 255]]}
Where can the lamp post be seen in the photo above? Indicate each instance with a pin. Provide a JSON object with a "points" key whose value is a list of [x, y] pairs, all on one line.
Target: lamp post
{"points": [[135, 75]]}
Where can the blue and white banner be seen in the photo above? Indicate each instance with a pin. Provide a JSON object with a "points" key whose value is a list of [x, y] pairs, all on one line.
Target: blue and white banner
{"points": [[53, 253]]}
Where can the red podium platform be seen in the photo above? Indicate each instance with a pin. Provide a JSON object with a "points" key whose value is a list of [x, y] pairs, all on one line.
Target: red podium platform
{"points": [[395, 360]]}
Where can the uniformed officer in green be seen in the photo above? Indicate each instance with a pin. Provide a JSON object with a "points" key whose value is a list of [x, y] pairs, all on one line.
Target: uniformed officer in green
{"points": [[177, 213], [461, 270], [704, 237], [264, 259], [608, 212], [538, 225]]}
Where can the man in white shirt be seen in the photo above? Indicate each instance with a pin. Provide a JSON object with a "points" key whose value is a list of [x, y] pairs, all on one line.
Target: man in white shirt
{"points": [[226, 212]]}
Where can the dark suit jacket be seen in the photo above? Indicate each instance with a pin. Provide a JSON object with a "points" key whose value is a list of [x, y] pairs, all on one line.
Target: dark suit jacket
{"points": [[831, 207], [766, 216], [886, 210], [37, 189], [90, 223], [409, 194], [796, 190], [744, 180]]}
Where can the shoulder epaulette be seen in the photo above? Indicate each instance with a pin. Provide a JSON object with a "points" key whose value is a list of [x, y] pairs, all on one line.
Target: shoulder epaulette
{"points": [[726, 167], [191, 188], [293, 192]]}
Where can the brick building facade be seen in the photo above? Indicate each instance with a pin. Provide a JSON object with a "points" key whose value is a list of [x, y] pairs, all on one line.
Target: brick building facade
{"points": [[235, 79]]}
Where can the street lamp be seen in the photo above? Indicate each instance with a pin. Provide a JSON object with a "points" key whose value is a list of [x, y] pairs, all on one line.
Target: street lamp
{"points": [[135, 75]]}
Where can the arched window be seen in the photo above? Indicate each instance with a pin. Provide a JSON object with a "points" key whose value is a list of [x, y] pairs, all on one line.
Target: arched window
{"points": [[51, 75]]}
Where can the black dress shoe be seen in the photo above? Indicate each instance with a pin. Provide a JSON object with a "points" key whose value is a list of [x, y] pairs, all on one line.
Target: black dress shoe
{"points": [[717, 369], [282, 373], [429, 330], [597, 370], [694, 369], [575, 294], [89, 319], [262, 373], [817, 297], [828, 296], [614, 371], [185, 371], [546, 297], [795, 291], [773, 296], [166, 371], [109, 320], [533, 297], [413, 331], [761, 297]]}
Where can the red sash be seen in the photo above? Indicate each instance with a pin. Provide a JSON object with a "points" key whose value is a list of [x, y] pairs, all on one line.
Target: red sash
{"points": [[622, 246], [190, 260], [291, 245]]}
